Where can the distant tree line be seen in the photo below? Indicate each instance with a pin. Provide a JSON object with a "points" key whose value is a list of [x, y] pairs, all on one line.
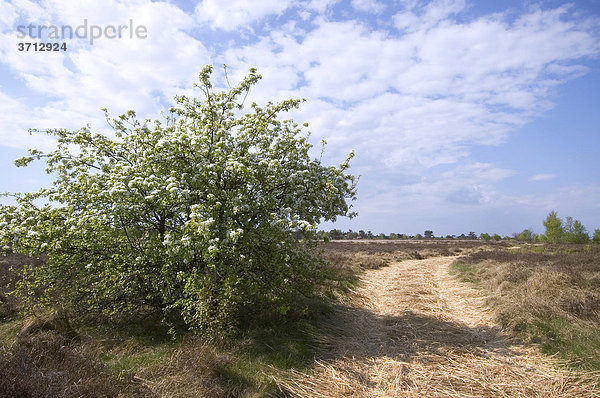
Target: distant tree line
{"points": [[337, 234], [557, 230]]}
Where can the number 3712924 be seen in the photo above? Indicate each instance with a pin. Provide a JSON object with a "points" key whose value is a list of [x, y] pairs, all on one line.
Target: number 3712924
{"points": [[42, 46]]}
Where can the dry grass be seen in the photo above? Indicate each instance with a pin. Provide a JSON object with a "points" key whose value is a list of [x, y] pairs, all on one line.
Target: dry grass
{"points": [[358, 255], [44, 361], [411, 330], [194, 369], [448, 375], [549, 295], [47, 360]]}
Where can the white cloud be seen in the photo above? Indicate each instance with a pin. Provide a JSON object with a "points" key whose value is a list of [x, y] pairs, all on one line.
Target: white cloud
{"points": [[414, 18], [405, 20], [427, 95], [232, 15], [17, 120], [371, 6], [30, 9], [121, 74], [542, 177], [8, 15], [447, 201], [320, 6], [471, 183], [438, 10], [422, 99], [571, 200]]}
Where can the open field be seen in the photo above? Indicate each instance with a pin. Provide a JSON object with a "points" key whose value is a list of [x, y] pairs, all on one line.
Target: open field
{"points": [[406, 328], [359, 255]]}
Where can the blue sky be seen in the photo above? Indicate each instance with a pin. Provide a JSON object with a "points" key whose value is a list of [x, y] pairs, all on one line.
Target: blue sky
{"points": [[464, 115]]}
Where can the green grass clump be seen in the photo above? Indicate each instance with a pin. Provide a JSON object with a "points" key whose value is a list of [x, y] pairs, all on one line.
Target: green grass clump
{"points": [[574, 341], [466, 272]]}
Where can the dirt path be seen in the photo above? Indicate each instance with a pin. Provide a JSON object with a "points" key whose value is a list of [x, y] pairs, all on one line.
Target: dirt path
{"points": [[412, 330]]}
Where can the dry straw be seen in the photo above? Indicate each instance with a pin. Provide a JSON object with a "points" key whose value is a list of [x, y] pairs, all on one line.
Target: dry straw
{"points": [[412, 330]]}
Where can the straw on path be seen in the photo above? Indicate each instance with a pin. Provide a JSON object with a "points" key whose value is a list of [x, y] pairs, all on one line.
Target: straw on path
{"points": [[413, 330]]}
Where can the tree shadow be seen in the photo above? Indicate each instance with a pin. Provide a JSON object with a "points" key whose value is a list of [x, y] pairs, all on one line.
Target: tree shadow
{"points": [[360, 334]]}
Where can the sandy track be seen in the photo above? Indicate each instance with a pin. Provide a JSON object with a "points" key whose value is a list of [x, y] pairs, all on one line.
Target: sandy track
{"points": [[412, 330]]}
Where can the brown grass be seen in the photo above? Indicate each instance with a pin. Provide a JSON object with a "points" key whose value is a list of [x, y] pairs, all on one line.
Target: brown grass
{"points": [[43, 362], [411, 330], [548, 295], [194, 369], [358, 255]]}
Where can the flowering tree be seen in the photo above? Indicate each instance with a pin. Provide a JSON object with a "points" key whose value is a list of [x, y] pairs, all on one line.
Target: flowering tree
{"points": [[198, 216]]}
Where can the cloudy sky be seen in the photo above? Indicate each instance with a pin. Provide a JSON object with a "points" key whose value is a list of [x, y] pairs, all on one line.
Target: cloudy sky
{"points": [[464, 115]]}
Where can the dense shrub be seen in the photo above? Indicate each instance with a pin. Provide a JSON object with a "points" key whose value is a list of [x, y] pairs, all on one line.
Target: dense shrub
{"points": [[197, 217]]}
